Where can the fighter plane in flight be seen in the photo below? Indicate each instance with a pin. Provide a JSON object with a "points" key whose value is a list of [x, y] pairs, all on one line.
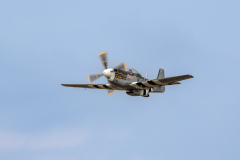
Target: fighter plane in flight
{"points": [[129, 80]]}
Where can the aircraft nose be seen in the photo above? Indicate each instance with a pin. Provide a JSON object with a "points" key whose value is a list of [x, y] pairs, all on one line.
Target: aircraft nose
{"points": [[107, 72]]}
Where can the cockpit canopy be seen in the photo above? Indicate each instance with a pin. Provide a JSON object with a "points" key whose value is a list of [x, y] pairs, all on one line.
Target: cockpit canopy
{"points": [[131, 70]]}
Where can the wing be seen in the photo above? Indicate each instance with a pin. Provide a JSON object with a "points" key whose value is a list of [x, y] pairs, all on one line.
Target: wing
{"points": [[160, 82], [93, 86]]}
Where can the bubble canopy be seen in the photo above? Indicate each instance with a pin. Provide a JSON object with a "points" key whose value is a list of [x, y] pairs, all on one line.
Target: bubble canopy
{"points": [[133, 70]]}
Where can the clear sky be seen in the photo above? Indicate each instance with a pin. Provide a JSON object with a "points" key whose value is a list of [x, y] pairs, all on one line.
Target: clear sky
{"points": [[46, 43]]}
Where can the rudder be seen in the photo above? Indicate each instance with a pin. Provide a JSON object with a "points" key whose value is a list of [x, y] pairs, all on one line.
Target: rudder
{"points": [[161, 75]]}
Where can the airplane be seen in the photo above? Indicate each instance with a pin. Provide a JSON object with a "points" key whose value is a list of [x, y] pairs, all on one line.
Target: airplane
{"points": [[129, 80]]}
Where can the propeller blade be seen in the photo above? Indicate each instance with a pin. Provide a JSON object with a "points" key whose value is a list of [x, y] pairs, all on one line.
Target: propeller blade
{"points": [[121, 66], [110, 91], [94, 77], [104, 59]]}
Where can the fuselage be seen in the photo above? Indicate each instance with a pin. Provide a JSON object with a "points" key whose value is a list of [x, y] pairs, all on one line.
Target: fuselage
{"points": [[121, 78]]}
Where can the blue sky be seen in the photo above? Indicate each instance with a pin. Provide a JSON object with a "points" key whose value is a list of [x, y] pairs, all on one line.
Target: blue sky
{"points": [[47, 43]]}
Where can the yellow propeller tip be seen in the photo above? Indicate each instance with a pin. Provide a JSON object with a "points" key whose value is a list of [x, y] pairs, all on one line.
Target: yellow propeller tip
{"points": [[125, 66], [111, 93], [102, 53], [89, 79]]}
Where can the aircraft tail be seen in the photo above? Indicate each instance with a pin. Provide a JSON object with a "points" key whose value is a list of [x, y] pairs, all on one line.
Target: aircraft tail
{"points": [[160, 76]]}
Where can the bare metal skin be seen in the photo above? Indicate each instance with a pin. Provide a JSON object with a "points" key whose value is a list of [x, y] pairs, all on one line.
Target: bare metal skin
{"points": [[119, 78]]}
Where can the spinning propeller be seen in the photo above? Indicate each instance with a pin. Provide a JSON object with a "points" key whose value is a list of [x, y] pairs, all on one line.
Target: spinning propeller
{"points": [[104, 60]]}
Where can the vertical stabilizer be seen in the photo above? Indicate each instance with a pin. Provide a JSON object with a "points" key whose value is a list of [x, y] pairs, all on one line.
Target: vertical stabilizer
{"points": [[160, 74], [160, 89]]}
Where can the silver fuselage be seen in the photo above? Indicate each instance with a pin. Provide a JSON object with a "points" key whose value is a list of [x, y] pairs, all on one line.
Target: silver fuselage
{"points": [[122, 79]]}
